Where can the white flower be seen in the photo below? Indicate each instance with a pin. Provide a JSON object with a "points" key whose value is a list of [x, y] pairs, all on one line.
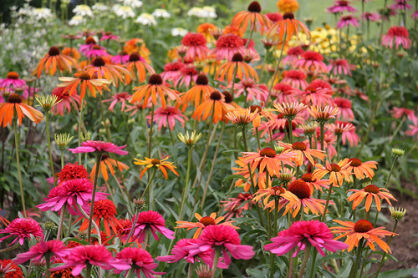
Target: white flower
{"points": [[76, 20], [133, 3], [99, 7], [83, 10], [178, 32], [195, 11], [42, 13], [146, 19], [123, 11], [161, 13], [205, 12]]}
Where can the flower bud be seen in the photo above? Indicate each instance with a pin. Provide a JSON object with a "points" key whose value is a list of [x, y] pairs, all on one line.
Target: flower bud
{"points": [[398, 152], [397, 213]]}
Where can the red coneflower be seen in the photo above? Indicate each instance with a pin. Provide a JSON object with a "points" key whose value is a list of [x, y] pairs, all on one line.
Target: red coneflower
{"points": [[195, 44], [227, 45], [64, 101], [252, 90], [186, 76], [10, 269], [283, 92], [295, 78], [344, 109], [167, 117], [312, 61], [103, 210], [22, 228], [51, 60], [152, 221], [171, 71], [341, 67], [72, 171], [47, 249], [341, 6], [139, 260], [398, 36]]}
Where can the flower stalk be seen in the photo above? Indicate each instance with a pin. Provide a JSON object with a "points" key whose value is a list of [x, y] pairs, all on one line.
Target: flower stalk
{"points": [[98, 159], [19, 171]]}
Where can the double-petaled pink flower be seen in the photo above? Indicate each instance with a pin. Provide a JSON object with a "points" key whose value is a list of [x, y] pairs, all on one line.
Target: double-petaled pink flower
{"points": [[91, 146], [22, 228], [184, 249], [195, 44], [152, 221], [44, 249], [398, 36], [312, 61], [139, 260]]}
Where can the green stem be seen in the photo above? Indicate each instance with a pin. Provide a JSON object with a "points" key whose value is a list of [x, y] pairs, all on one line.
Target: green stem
{"points": [[244, 137], [48, 137], [190, 271], [215, 261], [48, 264], [290, 131], [80, 122], [69, 225], [133, 226], [62, 159], [98, 159], [88, 270], [233, 80], [60, 225], [315, 253], [382, 261], [354, 268], [322, 125], [391, 170], [99, 237], [150, 131], [305, 261], [327, 203], [147, 189], [19, 171], [186, 183]]}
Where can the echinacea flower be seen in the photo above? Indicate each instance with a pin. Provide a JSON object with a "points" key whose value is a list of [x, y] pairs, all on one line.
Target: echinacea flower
{"points": [[362, 169], [241, 116], [399, 112], [108, 36], [96, 51], [347, 131], [90, 146], [251, 89], [340, 67], [267, 160], [122, 97], [203, 222], [288, 6], [272, 195], [153, 90], [344, 109], [167, 117], [12, 81], [214, 106], [139, 260], [162, 164], [283, 92], [337, 171], [10, 269], [171, 71], [295, 78], [236, 68], [362, 229], [289, 109], [22, 228], [195, 44], [311, 61], [186, 76], [103, 211], [64, 101], [152, 221], [322, 114], [397, 36], [283, 30], [302, 234], [83, 256], [108, 163], [72, 171], [227, 45], [43, 249], [341, 6], [102, 69], [120, 59], [236, 205], [52, 59], [319, 93], [252, 17], [14, 106], [313, 183], [373, 17], [138, 67], [370, 192], [207, 30], [301, 151], [200, 91], [346, 21]]}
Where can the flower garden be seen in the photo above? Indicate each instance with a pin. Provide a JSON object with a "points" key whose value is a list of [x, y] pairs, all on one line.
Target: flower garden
{"points": [[210, 139]]}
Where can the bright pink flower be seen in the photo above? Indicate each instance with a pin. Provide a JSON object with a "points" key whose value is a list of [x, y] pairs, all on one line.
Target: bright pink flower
{"points": [[312, 61], [301, 234], [295, 78], [414, 15], [22, 228], [116, 98], [250, 53], [413, 129], [319, 92], [150, 220], [344, 109], [347, 20], [79, 257], [108, 36], [397, 35], [274, 17], [50, 249], [293, 55], [172, 71], [341, 67], [65, 101], [12, 81], [71, 193], [195, 44], [99, 146], [167, 117], [399, 112], [95, 51], [401, 5], [251, 89], [139, 261], [120, 59], [186, 75], [347, 131], [227, 45], [284, 93], [341, 6], [234, 206], [374, 17]]}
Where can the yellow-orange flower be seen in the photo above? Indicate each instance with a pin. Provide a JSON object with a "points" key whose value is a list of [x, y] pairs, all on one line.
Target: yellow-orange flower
{"points": [[337, 171], [161, 164], [361, 169], [301, 151], [240, 116], [370, 192], [252, 17], [14, 104], [269, 196], [195, 94], [138, 68], [215, 106], [108, 163], [137, 46], [86, 83], [259, 179], [303, 200], [283, 30], [236, 69], [288, 6], [207, 30], [100, 68], [53, 59]]}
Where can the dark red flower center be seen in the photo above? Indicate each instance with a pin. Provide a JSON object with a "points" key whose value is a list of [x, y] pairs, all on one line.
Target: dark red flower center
{"points": [[12, 75], [254, 7], [155, 79], [363, 226], [308, 177], [269, 152], [335, 167], [372, 189], [98, 62], [96, 47], [54, 51], [398, 31], [300, 146], [155, 161], [289, 16], [207, 220], [228, 97], [215, 95], [84, 76], [90, 40], [14, 98], [202, 80], [134, 57], [237, 57], [255, 108], [343, 3], [355, 162], [300, 189]]}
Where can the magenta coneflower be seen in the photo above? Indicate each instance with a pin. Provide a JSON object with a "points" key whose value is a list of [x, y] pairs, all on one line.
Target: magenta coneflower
{"points": [[108, 36], [22, 228], [186, 76], [150, 220], [295, 78], [167, 117], [399, 112], [90, 146], [274, 17], [250, 53], [302, 234], [340, 67], [341, 6], [373, 17], [344, 109], [47, 249], [120, 59], [227, 45], [172, 71], [139, 260], [347, 20], [312, 61], [319, 92], [401, 5], [96, 51], [64, 101], [397, 35], [251, 89], [283, 92], [293, 54], [122, 98], [91, 255], [347, 131], [90, 42], [195, 44], [12, 81]]}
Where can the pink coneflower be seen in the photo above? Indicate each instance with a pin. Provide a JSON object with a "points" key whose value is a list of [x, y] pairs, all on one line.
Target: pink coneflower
{"points": [[139, 260], [347, 131], [250, 54], [274, 17], [373, 17], [295, 78], [95, 51], [12, 81], [48, 249], [347, 20], [399, 112], [108, 36], [293, 54], [284, 93], [167, 117], [251, 89], [227, 45], [137, 107], [397, 35], [401, 5], [186, 76], [414, 15], [172, 71], [341, 67], [302, 234], [116, 98], [88, 45], [22, 228], [64, 101], [94, 255], [312, 61], [344, 109], [341, 6], [90, 146], [236, 205], [319, 92], [150, 220], [195, 44], [120, 59], [413, 129]]}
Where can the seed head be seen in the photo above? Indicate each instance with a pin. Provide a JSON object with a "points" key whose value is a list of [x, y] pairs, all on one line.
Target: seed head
{"points": [[397, 213]]}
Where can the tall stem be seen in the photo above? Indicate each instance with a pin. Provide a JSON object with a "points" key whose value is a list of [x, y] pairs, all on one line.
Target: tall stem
{"points": [[215, 261], [60, 225], [382, 261], [80, 122], [133, 226], [233, 80], [305, 261], [99, 237], [48, 137], [391, 170], [322, 125], [190, 271], [186, 183], [148, 189], [327, 203], [98, 159], [290, 131], [354, 268], [150, 131], [19, 171], [244, 137]]}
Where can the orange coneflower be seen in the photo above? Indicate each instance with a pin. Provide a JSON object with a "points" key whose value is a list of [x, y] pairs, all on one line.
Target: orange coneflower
{"points": [[289, 110], [197, 93], [304, 200], [301, 151], [108, 163], [72, 52], [258, 180], [337, 172], [236, 68], [241, 116], [137, 46], [161, 164], [283, 30], [359, 230], [14, 103], [203, 222], [138, 67], [215, 106], [361, 169], [314, 183], [84, 80], [53, 59], [322, 113], [253, 16], [207, 30], [102, 69], [271, 194], [153, 89], [369, 192]]}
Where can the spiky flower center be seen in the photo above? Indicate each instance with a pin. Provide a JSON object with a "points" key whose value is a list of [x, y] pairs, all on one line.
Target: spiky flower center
{"points": [[134, 57], [269, 152], [202, 80], [237, 57], [155, 79], [14, 98], [228, 97], [355, 162], [288, 16], [362, 226], [84, 76], [308, 177], [98, 62], [300, 146], [155, 161], [215, 95], [207, 220], [54, 51], [372, 189], [255, 108], [12, 75], [90, 40], [254, 7], [335, 167], [300, 189]]}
